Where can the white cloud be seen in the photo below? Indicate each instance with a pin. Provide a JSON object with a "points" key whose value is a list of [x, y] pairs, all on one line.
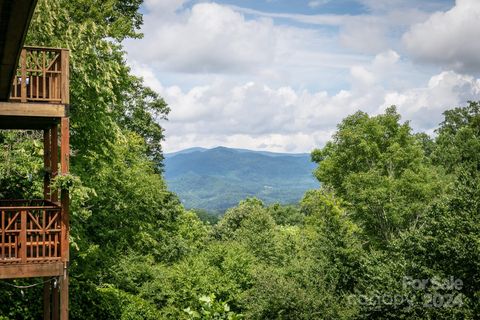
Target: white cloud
{"points": [[255, 116], [207, 38], [253, 83], [378, 74], [448, 38], [424, 106], [363, 33], [317, 19], [374, 33]]}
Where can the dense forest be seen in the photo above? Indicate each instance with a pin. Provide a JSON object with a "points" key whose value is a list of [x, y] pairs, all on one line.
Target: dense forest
{"points": [[217, 179], [393, 233]]}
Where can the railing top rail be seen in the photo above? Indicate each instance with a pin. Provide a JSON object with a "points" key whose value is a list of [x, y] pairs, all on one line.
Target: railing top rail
{"points": [[24, 200], [30, 208], [17, 204], [39, 48], [28, 200]]}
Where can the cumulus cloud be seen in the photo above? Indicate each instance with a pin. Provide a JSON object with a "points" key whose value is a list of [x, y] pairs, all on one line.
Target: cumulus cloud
{"points": [[256, 116], [213, 38], [378, 74], [424, 106], [206, 38], [448, 38], [259, 84], [363, 33]]}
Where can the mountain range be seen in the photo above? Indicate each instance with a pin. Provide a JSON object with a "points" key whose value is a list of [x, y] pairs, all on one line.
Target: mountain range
{"points": [[217, 179]]}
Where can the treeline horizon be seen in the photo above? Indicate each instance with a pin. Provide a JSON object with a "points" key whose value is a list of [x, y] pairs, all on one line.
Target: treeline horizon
{"points": [[392, 233]]}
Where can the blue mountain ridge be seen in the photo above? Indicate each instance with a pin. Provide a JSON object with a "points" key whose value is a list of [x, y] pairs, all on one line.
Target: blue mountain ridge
{"points": [[217, 179]]}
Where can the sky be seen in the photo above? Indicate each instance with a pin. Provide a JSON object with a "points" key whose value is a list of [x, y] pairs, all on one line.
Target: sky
{"points": [[279, 75]]}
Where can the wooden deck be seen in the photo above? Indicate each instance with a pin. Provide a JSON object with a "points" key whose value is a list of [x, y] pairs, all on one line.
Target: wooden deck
{"points": [[39, 94], [31, 238], [42, 76], [34, 94]]}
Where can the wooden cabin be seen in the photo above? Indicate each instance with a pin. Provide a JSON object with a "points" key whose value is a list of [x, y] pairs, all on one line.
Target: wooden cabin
{"points": [[34, 95]]}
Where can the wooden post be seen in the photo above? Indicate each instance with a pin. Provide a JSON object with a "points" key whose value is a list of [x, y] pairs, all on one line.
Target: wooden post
{"points": [[65, 82], [23, 68], [23, 236], [46, 164], [65, 166], [64, 163], [64, 295], [55, 302], [54, 158], [46, 300]]}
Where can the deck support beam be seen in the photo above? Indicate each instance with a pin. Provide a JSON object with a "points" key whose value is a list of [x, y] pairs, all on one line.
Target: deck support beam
{"points": [[30, 270], [53, 159], [47, 165], [55, 301], [18, 109], [65, 198], [47, 292]]}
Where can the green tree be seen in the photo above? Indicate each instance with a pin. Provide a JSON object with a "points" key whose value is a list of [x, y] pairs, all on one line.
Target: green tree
{"points": [[286, 214], [234, 217], [448, 242], [445, 243], [21, 165], [458, 141], [314, 279], [206, 216], [121, 204], [105, 97], [380, 169]]}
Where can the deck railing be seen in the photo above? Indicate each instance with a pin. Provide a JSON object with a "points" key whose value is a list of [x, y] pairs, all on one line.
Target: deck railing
{"points": [[42, 76], [30, 231]]}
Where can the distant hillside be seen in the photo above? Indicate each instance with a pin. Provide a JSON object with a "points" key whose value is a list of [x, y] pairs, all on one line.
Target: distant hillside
{"points": [[217, 179]]}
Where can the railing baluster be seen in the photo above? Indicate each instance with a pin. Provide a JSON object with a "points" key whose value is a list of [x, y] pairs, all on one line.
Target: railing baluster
{"points": [[2, 252], [53, 82], [44, 217], [37, 242], [23, 236], [15, 80], [51, 240], [55, 252], [44, 73], [23, 84], [37, 86], [9, 243], [8, 236], [34, 236], [29, 238]]}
